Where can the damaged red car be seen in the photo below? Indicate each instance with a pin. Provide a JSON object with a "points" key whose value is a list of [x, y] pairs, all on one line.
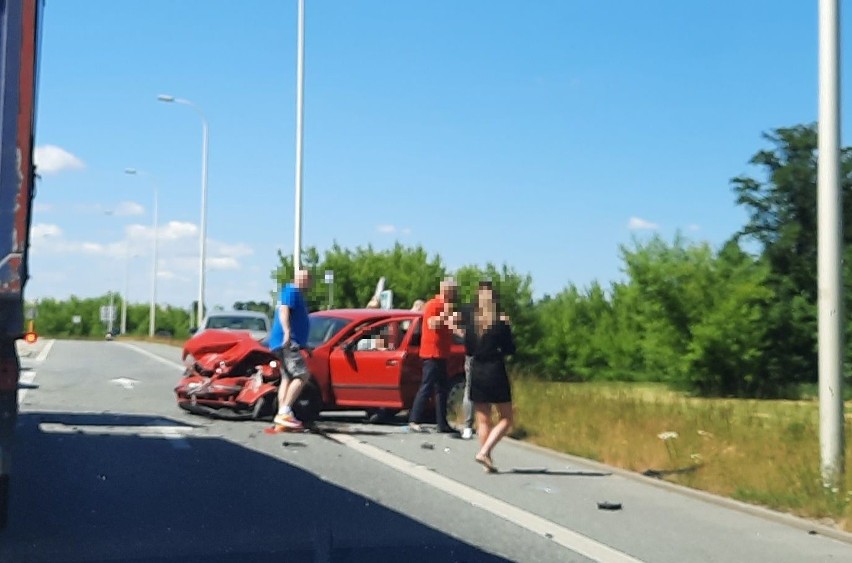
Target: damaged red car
{"points": [[361, 359]]}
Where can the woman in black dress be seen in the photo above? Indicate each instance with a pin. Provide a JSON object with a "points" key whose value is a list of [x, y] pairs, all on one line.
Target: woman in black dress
{"points": [[488, 340]]}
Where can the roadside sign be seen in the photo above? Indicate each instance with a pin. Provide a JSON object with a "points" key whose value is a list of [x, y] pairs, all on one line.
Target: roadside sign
{"points": [[76, 319], [329, 276], [107, 313], [31, 313]]}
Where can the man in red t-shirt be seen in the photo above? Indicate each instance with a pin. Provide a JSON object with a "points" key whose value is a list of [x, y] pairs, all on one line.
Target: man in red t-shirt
{"points": [[435, 341]]}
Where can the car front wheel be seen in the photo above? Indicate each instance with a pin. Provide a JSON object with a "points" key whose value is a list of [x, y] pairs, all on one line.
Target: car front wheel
{"points": [[455, 400]]}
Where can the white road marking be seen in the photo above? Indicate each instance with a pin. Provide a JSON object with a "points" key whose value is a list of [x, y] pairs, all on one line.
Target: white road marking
{"points": [[532, 522], [45, 351], [26, 378], [170, 363], [174, 434], [536, 524], [125, 382]]}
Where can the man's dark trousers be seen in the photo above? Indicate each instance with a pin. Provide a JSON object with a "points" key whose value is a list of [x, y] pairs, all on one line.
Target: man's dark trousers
{"points": [[434, 377]]}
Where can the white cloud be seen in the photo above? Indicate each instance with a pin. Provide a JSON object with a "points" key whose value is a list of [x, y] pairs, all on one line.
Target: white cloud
{"points": [[223, 263], [42, 230], [42, 207], [127, 208], [390, 229], [171, 231], [636, 223], [694, 228], [233, 250], [50, 159]]}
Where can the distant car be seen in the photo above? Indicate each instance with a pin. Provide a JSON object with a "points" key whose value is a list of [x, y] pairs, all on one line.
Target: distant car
{"points": [[255, 323]]}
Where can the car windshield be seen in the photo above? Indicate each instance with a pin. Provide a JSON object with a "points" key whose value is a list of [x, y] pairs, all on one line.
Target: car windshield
{"points": [[323, 328], [237, 323]]}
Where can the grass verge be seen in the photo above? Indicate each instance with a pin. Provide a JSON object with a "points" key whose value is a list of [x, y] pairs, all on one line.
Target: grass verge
{"points": [[762, 452]]}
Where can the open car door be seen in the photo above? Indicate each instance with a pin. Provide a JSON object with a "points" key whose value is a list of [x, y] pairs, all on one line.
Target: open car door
{"points": [[366, 370]]}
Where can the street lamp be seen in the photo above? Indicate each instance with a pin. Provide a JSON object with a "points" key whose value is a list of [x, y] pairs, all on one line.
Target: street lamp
{"points": [[153, 314], [203, 236], [300, 92], [831, 317]]}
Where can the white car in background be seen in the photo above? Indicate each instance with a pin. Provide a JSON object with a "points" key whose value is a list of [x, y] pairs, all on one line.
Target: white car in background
{"points": [[255, 323]]}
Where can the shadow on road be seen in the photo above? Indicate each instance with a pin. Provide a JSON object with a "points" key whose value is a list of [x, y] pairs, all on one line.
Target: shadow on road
{"points": [[105, 492], [565, 472]]}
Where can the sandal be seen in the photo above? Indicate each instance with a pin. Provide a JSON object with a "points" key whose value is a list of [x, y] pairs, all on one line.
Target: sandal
{"points": [[485, 461]]}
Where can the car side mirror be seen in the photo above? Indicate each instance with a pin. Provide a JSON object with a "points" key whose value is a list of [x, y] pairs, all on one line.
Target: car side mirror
{"points": [[193, 330]]}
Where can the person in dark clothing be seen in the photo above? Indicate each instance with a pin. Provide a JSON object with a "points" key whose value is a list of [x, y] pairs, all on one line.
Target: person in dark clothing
{"points": [[488, 340], [435, 341]]}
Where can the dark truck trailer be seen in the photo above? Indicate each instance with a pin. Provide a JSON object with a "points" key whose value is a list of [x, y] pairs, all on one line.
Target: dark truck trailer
{"points": [[19, 41]]}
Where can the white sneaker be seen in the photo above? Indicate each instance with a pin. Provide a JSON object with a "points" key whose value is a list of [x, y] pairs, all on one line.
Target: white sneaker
{"points": [[467, 434]]}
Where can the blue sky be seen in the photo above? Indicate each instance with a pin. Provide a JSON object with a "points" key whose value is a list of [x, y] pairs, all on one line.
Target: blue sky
{"points": [[540, 134]]}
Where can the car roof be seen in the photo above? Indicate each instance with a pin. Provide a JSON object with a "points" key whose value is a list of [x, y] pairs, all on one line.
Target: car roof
{"points": [[237, 313], [363, 314]]}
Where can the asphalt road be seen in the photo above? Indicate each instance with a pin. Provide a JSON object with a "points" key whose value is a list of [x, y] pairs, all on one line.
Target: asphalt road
{"points": [[107, 468]]}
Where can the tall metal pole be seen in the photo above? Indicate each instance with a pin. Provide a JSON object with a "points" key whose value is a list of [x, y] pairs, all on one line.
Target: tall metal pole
{"points": [[152, 315], [300, 91], [110, 316], [830, 249], [203, 250], [126, 286], [152, 322], [202, 263]]}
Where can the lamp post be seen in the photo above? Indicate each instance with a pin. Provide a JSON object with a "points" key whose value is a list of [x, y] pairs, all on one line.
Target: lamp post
{"points": [[830, 249], [153, 314], [126, 284], [203, 236], [300, 92]]}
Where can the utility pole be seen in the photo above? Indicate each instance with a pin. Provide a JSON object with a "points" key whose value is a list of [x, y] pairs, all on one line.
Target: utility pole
{"points": [[830, 249]]}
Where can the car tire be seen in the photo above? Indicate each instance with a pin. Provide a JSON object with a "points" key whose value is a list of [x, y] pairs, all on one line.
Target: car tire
{"points": [[455, 400], [309, 404], [265, 407], [381, 416]]}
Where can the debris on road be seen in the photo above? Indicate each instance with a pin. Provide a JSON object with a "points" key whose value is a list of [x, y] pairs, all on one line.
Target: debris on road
{"points": [[125, 382], [609, 505], [294, 444], [427, 446]]}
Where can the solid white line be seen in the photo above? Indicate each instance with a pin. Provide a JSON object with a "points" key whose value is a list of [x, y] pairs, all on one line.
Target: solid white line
{"points": [[174, 434], [563, 536], [26, 378], [151, 355], [45, 351]]}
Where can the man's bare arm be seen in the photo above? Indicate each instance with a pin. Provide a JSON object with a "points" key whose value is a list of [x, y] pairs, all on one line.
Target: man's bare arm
{"points": [[284, 313]]}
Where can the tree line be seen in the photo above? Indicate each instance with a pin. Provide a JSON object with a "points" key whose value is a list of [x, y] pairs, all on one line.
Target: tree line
{"points": [[735, 320]]}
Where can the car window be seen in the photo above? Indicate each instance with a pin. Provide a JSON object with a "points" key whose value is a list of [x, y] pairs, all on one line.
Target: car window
{"points": [[381, 337], [322, 329], [237, 323]]}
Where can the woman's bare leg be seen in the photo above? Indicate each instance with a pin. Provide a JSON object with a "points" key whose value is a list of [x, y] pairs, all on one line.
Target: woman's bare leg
{"points": [[503, 426], [483, 421]]}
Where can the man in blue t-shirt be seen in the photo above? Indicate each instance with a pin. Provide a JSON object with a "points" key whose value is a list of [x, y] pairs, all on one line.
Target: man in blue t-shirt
{"points": [[288, 336]]}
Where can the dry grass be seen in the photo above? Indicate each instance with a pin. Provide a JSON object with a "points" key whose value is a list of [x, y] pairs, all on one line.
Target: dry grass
{"points": [[763, 452]]}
